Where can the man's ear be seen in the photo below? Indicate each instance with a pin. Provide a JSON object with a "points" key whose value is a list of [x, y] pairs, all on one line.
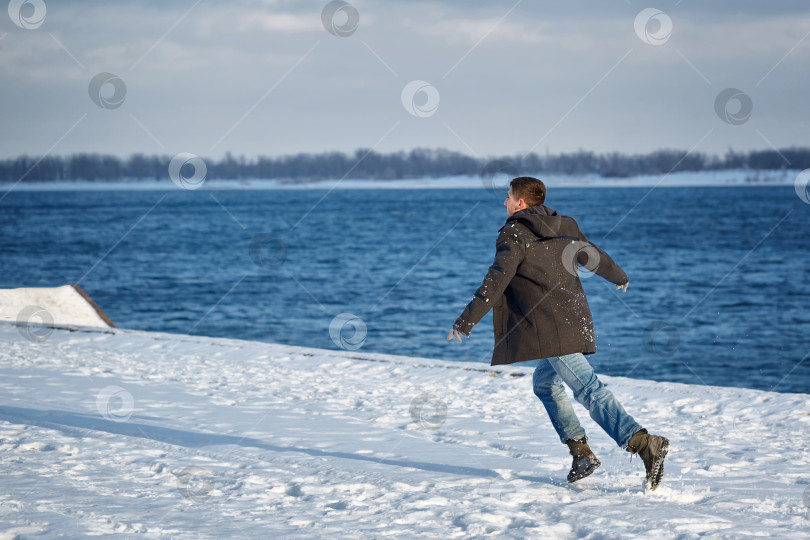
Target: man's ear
{"points": [[522, 204]]}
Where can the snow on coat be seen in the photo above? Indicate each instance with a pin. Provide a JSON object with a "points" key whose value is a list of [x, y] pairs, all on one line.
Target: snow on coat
{"points": [[533, 288]]}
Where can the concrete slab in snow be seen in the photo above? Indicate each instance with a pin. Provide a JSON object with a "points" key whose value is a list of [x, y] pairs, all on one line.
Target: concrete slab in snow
{"points": [[68, 304]]}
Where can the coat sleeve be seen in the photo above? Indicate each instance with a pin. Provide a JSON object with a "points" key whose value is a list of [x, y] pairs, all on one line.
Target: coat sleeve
{"points": [[509, 253], [605, 266]]}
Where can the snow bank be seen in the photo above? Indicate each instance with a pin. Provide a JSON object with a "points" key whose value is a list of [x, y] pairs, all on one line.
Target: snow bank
{"points": [[68, 304], [678, 179], [110, 431]]}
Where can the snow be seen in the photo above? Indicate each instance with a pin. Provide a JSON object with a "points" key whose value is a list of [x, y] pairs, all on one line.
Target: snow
{"points": [[48, 305], [113, 431], [678, 179]]}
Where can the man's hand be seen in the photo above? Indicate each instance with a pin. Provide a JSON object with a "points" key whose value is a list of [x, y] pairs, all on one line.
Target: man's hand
{"points": [[455, 333], [623, 287]]}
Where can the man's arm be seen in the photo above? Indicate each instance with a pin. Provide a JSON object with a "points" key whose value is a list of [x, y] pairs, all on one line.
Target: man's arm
{"points": [[605, 267], [509, 252]]}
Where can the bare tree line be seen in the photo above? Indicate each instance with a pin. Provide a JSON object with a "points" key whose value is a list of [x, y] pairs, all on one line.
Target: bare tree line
{"points": [[417, 163]]}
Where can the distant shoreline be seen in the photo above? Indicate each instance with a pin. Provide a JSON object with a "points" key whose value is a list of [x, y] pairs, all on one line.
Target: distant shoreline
{"points": [[734, 178]]}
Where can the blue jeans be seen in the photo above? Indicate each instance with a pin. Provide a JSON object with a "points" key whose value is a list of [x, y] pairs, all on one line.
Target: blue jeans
{"points": [[575, 371]]}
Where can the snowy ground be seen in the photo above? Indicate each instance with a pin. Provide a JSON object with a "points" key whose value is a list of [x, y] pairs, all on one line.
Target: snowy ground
{"points": [[702, 178], [106, 431]]}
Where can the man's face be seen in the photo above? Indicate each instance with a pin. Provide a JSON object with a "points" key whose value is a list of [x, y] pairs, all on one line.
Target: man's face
{"points": [[513, 205]]}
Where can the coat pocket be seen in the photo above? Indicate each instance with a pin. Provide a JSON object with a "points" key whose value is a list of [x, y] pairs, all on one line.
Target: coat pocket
{"points": [[499, 315]]}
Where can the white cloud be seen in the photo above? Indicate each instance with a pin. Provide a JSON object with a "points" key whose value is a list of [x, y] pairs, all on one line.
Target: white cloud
{"points": [[280, 22]]}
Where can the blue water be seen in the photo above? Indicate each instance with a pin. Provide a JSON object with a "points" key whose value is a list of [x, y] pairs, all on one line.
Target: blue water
{"points": [[719, 276]]}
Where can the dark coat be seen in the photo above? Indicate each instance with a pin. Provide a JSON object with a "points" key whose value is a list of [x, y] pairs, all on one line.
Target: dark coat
{"points": [[533, 287]]}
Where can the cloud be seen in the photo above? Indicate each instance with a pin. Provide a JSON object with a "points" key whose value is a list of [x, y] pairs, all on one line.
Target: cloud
{"points": [[192, 71], [280, 22], [469, 32]]}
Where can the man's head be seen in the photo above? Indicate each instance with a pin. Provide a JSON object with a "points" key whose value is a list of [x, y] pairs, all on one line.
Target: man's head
{"points": [[524, 192]]}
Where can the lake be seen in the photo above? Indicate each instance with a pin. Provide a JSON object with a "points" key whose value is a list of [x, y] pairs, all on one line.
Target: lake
{"points": [[719, 276]]}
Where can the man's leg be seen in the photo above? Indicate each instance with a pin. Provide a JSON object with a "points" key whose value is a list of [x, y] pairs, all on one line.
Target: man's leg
{"points": [[575, 370], [548, 387]]}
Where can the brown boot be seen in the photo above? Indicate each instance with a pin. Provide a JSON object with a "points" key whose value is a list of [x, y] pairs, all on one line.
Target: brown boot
{"points": [[652, 449], [584, 462]]}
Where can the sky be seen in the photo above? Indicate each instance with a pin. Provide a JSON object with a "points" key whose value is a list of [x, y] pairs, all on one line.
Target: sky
{"points": [[272, 78]]}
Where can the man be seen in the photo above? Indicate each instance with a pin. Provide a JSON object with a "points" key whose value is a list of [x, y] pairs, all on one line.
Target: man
{"points": [[540, 311]]}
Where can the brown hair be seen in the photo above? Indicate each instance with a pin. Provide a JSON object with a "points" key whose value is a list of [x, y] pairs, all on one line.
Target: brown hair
{"points": [[531, 190]]}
